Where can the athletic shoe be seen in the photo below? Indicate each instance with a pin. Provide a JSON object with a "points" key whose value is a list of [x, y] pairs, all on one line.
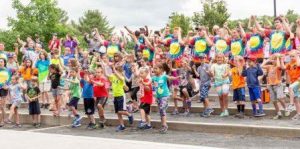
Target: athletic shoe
{"points": [[7, 121], [186, 114], [38, 125], [204, 114], [226, 113], [276, 117], [296, 117], [141, 125], [76, 124], [101, 124], [1, 124], [130, 119], [147, 127], [17, 126], [175, 112], [92, 126], [120, 128], [210, 111], [259, 114], [287, 113], [291, 107], [222, 114], [163, 129]]}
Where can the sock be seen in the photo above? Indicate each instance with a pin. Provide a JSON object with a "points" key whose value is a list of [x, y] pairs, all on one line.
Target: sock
{"points": [[243, 108], [260, 106], [254, 108], [238, 108]]}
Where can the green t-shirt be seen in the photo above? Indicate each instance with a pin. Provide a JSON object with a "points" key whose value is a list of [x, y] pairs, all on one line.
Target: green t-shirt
{"points": [[75, 88], [117, 85]]}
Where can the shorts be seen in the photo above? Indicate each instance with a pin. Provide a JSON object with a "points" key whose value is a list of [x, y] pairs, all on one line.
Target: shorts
{"points": [[34, 108], [222, 89], [45, 86], [162, 105], [119, 104], [239, 94], [189, 89], [254, 93], [295, 88], [101, 101], [73, 102], [17, 103], [89, 106], [276, 92], [204, 89], [134, 93], [128, 84], [3, 92], [56, 92], [146, 107]]}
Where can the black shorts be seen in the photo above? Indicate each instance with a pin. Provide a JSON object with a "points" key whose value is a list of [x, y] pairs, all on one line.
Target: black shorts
{"points": [[89, 106], [128, 84], [188, 88], [134, 93], [146, 107], [119, 104], [101, 101], [73, 102], [3, 92], [34, 108]]}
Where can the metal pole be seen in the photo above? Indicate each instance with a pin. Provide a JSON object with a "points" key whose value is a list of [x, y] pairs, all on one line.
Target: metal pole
{"points": [[275, 9]]}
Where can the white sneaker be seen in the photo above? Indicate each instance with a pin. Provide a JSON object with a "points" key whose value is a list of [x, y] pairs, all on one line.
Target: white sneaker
{"points": [[287, 113], [291, 108]]}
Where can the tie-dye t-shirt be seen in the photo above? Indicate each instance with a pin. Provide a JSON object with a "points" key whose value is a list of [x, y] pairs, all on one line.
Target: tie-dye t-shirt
{"points": [[199, 45], [237, 47], [278, 41], [221, 45], [176, 50], [256, 45], [111, 49], [5, 76], [43, 69]]}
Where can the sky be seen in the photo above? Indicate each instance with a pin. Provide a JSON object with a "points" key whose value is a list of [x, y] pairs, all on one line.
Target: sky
{"points": [[154, 13]]}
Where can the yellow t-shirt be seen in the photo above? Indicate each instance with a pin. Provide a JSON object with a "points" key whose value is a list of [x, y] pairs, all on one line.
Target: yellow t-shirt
{"points": [[117, 85]]}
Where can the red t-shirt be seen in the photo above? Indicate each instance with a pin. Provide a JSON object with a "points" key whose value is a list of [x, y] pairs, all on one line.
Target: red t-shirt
{"points": [[55, 44], [100, 91], [148, 95]]}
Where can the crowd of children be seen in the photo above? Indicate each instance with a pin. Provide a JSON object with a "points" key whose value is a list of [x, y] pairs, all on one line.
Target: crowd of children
{"points": [[162, 67]]}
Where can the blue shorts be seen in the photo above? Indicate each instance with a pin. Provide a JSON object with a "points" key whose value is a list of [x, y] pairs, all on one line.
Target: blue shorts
{"points": [[254, 93], [119, 104], [204, 89], [239, 94]]}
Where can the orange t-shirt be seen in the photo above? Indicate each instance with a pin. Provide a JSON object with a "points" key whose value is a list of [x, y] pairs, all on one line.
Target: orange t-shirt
{"points": [[27, 73], [274, 75], [293, 71], [238, 81]]}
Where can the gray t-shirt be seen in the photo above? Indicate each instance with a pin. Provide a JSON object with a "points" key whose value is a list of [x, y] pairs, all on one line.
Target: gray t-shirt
{"points": [[204, 76]]}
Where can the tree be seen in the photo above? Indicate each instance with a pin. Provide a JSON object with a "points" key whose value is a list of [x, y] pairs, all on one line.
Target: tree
{"points": [[180, 20], [93, 19], [42, 17], [214, 13]]}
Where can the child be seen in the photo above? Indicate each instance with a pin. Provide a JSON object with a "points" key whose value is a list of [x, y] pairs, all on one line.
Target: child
{"points": [[146, 99], [162, 93], [238, 85], [251, 73], [33, 95], [100, 93], [88, 99], [74, 96], [205, 78], [274, 71], [16, 98], [118, 82], [55, 75], [220, 73]]}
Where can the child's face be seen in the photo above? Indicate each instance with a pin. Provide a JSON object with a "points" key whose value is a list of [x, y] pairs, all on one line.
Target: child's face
{"points": [[14, 80], [157, 71], [1, 63], [28, 63], [99, 72], [143, 74], [72, 73], [251, 63], [219, 59]]}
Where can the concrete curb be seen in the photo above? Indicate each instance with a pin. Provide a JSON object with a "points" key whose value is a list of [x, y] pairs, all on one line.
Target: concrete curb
{"points": [[195, 109], [255, 130]]}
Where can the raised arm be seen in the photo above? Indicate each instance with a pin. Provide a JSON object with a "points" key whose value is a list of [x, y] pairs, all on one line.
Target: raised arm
{"points": [[243, 34], [258, 26]]}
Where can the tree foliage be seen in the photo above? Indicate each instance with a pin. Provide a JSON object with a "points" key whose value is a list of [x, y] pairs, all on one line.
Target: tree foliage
{"points": [[180, 20], [214, 13], [93, 19]]}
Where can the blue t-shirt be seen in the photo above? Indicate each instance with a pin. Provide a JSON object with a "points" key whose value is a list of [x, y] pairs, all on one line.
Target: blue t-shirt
{"points": [[251, 75], [87, 89], [127, 70], [161, 86], [66, 58]]}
